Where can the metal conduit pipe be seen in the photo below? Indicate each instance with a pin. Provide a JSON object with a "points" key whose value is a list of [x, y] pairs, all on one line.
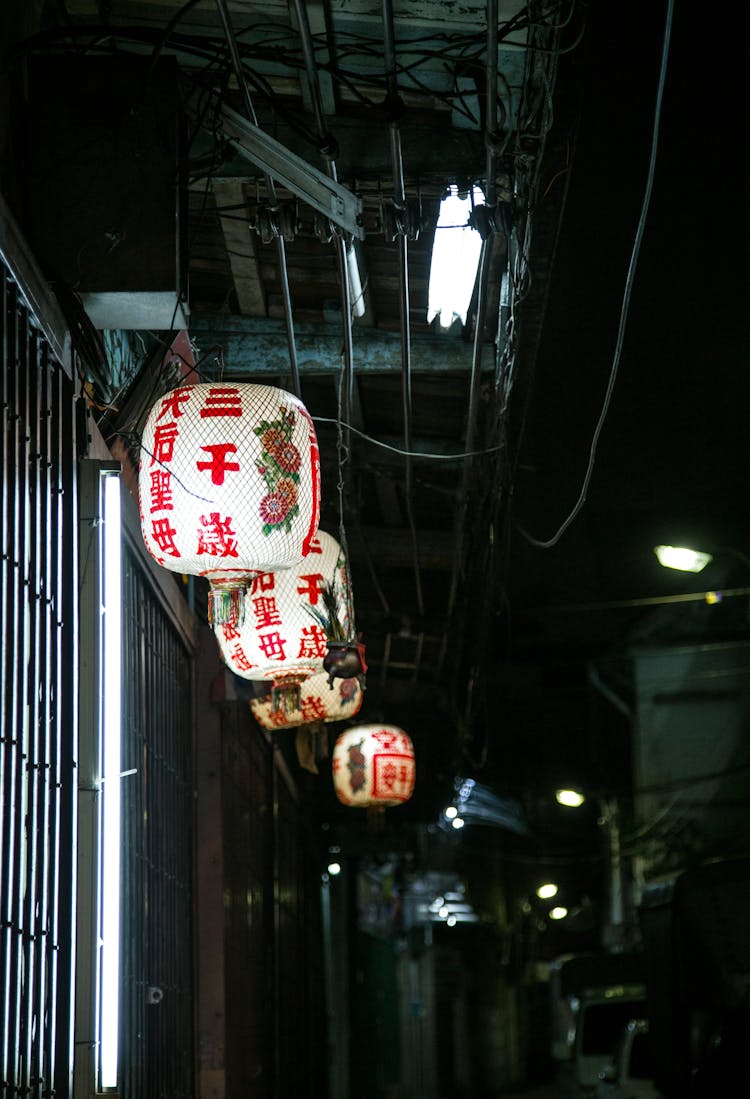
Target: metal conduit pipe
{"points": [[327, 146], [271, 187], [484, 278], [399, 202]]}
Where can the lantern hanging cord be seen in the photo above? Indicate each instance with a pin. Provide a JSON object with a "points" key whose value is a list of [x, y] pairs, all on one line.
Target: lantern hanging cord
{"points": [[550, 542], [128, 436]]}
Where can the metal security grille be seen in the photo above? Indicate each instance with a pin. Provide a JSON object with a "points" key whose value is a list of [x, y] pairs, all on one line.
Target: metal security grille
{"points": [[37, 706], [156, 1023]]}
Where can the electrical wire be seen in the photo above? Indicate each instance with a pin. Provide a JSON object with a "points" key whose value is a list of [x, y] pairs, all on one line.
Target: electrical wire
{"points": [[630, 278], [459, 457]]}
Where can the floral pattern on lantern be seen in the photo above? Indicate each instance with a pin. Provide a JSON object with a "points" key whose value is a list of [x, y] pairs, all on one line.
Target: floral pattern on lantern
{"points": [[373, 766], [229, 485], [318, 702], [280, 639]]}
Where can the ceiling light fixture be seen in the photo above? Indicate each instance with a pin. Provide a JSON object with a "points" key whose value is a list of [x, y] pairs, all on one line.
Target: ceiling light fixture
{"points": [[682, 558], [456, 250], [558, 913]]}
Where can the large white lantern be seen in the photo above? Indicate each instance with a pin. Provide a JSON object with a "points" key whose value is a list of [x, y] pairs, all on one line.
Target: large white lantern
{"points": [[319, 701], [373, 766], [281, 638], [229, 485]]}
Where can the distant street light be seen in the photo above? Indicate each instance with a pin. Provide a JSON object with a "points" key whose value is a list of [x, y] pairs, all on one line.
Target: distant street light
{"points": [[682, 558], [544, 892], [571, 798]]}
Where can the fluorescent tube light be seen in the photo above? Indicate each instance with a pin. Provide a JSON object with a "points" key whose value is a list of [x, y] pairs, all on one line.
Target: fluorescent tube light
{"points": [[455, 259], [356, 291], [110, 738]]}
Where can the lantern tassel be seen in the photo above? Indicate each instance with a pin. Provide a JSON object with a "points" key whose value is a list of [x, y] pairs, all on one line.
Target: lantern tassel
{"points": [[226, 606], [286, 695]]}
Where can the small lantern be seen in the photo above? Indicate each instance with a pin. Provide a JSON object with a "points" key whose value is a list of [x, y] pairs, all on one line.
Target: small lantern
{"points": [[318, 701], [282, 638], [373, 766], [229, 485]]}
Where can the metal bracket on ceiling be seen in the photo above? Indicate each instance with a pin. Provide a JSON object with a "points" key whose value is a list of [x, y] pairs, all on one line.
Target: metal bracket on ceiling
{"points": [[325, 195]]}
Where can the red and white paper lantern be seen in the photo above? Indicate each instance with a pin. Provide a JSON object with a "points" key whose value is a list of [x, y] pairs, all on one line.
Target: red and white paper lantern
{"points": [[280, 638], [318, 701], [229, 485], [373, 766]]}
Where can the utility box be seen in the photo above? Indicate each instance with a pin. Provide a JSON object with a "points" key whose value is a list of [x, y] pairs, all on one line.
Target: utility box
{"points": [[106, 194]]}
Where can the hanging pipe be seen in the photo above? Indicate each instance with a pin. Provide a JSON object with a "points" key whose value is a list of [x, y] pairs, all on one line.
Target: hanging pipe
{"points": [[490, 138], [272, 198], [327, 147], [394, 105]]}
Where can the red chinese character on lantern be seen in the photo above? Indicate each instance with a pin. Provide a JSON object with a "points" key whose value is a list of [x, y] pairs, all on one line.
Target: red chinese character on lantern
{"points": [[173, 402], [278, 717], [312, 642], [163, 535], [239, 658], [313, 709], [161, 491], [312, 587], [222, 401], [219, 464], [266, 612], [388, 775], [385, 739], [315, 546], [262, 581], [217, 537], [272, 645], [229, 631], [164, 439]]}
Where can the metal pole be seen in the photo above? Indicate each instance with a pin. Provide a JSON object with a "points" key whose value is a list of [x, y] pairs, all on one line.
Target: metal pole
{"points": [[395, 106], [272, 198]]}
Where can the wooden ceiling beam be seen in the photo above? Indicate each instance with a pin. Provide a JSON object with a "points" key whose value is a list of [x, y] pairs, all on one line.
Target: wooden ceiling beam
{"points": [[257, 345]]}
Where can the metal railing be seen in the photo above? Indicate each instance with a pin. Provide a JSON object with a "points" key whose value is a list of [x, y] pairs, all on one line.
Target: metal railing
{"points": [[37, 686], [157, 1056]]}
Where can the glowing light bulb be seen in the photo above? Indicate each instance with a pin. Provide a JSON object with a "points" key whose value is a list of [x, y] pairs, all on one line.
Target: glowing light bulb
{"points": [[682, 558], [544, 892], [571, 798]]}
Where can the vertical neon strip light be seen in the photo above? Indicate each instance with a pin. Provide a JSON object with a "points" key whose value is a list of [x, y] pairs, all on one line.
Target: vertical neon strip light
{"points": [[111, 767]]}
